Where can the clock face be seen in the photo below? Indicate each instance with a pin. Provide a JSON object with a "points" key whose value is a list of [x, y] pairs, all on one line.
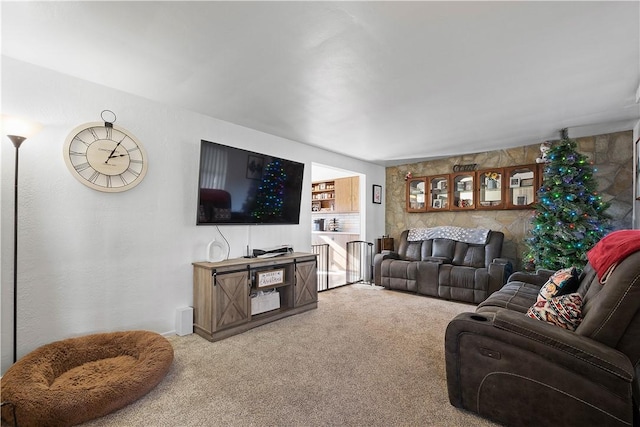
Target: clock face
{"points": [[105, 158]]}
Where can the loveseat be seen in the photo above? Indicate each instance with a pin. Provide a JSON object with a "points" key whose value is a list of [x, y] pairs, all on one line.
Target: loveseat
{"points": [[577, 365], [454, 263]]}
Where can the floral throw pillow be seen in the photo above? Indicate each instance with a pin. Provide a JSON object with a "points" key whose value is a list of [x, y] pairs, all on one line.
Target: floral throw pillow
{"points": [[562, 282], [564, 311]]}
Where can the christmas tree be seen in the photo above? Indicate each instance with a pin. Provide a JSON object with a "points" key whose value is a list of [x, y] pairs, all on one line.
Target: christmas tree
{"points": [[569, 215], [269, 202]]}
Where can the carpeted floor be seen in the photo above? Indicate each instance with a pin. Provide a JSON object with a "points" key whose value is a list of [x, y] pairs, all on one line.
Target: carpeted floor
{"points": [[365, 357]]}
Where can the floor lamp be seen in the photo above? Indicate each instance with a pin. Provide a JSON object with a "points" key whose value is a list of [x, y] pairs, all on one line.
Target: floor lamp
{"points": [[17, 130]]}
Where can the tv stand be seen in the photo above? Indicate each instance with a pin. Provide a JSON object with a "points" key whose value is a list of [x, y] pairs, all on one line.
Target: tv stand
{"points": [[222, 292]]}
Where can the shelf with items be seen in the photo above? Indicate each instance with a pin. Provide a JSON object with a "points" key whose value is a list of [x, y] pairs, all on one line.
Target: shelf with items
{"points": [[522, 182], [490, 188], [339, 195], [512, 187], [463, 190], [323, 196], [416, 195], [439, 186]]}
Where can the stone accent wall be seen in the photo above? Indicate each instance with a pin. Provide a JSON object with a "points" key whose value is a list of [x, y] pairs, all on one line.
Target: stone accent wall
{"points": [[612, 157]]}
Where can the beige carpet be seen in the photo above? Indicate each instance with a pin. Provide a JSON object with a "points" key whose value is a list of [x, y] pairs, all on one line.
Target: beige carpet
{"points": [[365, 357]]}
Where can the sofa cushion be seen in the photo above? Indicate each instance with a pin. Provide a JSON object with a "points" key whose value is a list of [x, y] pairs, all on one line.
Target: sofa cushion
{"points": [[400, 275], [460, 283], [563, 311], [562, 282], [436, 259], [443, 248], [427, 250], [474, 257], [457, 276], [609, 309], [413, 251], [516, 296]]}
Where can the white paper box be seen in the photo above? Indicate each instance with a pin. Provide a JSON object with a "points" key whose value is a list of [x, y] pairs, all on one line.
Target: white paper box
{"points": [[265, 302]]}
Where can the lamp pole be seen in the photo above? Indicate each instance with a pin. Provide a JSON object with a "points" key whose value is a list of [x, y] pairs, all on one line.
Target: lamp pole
{"points": [[17, 130], [16, 140]]}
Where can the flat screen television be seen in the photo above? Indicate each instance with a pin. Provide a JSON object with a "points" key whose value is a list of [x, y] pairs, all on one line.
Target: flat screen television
{"points": [[237, 186]]}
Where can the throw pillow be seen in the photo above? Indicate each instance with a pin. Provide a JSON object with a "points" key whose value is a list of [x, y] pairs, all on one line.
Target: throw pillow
{"points": [[564, 311], [562, 282]]}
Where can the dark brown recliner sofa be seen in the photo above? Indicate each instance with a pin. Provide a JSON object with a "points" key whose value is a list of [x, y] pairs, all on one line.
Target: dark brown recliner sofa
{"points": [[445, 267], [508, 367]]}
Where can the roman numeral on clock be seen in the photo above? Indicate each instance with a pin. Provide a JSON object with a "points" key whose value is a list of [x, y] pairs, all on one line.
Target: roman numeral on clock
{"points": [[94, 134], [94, 177], [77, 138], [82, 166]]}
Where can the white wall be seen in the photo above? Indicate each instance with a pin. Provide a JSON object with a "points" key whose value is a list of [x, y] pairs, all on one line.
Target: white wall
{"points": [[93, 262]]}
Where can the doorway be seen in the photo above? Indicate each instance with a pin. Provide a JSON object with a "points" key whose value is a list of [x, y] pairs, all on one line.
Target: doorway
{"points": [[336, 219]]}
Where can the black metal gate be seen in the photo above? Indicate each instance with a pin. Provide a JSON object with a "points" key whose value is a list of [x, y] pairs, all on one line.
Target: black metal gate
{"points": [[323, 265], [359, 261]]}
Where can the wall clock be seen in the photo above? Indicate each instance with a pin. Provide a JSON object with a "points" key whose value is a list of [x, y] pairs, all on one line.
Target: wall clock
{"points": [[105, 157]]}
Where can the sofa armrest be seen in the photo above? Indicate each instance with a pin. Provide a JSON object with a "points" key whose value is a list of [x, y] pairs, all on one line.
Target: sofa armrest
{"points": [[493, 355], [377, 261], [600, 356], [506, 328], [499, 270], [538, 278]]}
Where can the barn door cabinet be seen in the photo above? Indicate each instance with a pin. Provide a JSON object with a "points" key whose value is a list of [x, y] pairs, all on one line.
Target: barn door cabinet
{"points": [[222, 292]]}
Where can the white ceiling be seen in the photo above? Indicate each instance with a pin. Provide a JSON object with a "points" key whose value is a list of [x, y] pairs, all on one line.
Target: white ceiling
{"points": [[387, 82]]}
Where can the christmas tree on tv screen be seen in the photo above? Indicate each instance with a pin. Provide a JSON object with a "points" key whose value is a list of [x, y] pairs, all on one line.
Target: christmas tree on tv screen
{"points": [[570, 215], [269, 201]]}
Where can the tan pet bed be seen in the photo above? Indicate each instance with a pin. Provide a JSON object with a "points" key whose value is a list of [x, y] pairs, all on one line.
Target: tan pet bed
{"points": [[75, 380]]}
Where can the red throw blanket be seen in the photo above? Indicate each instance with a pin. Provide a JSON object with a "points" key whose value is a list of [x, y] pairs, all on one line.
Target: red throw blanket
{"points": [[611, 249]]}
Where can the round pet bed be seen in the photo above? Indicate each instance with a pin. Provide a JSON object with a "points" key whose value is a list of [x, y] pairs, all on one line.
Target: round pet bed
{"points": [[75, 380]]}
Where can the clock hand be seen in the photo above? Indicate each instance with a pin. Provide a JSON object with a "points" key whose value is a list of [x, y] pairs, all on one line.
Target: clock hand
{"points": [[113, 151], [117, 155]]}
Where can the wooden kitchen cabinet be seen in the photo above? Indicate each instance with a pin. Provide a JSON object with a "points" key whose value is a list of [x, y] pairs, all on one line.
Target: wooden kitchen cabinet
{"points": [[347, 194]]}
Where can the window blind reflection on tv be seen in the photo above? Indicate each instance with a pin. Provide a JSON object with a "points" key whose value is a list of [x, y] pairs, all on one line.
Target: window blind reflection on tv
{"points": [[238, 186]]}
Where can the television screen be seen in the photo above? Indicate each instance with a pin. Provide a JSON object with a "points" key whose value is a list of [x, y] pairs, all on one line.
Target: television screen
{"points": [[237, 186]]}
